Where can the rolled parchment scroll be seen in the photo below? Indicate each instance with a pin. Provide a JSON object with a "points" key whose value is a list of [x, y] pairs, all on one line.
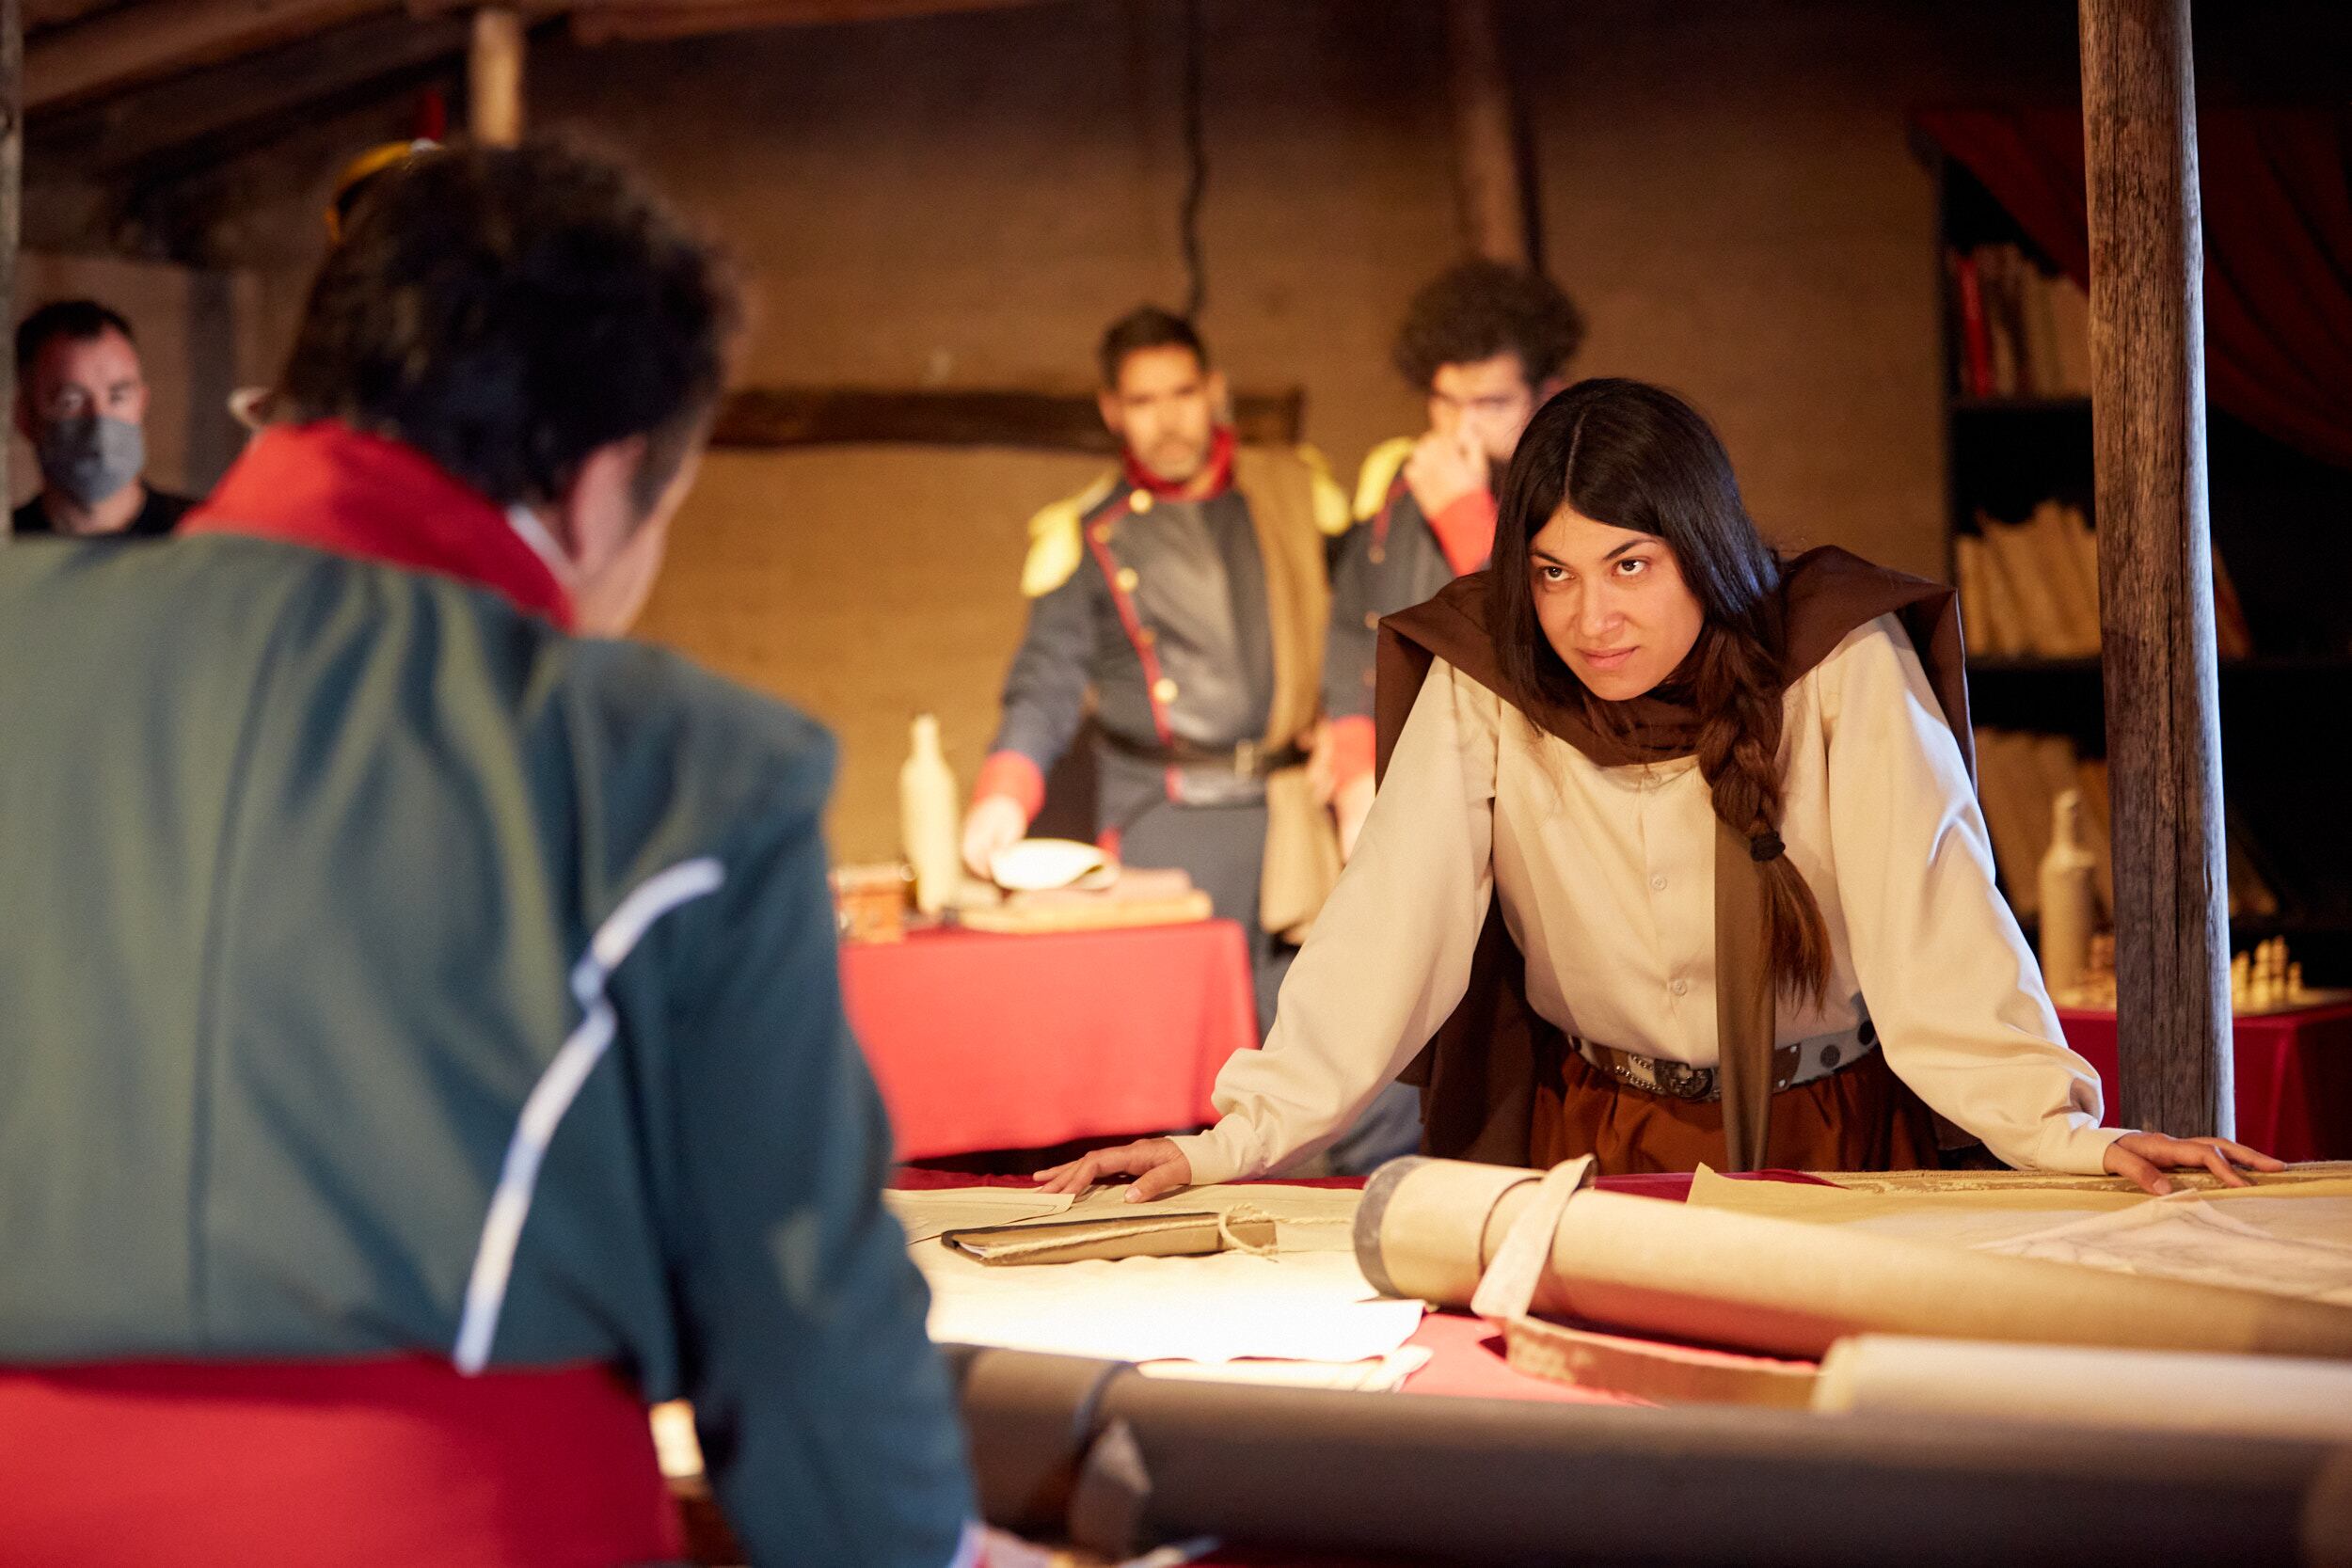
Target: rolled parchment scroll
{"points": [[1431, 1227]]}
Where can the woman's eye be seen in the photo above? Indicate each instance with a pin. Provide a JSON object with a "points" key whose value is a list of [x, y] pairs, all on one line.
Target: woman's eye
{"points": [[1551, 574], [1633, 567]]}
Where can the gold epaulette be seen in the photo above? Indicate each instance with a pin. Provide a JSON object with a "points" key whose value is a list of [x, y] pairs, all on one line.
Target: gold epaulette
{"points": [[1378, 475], [1331, 515], [1056, 547]]}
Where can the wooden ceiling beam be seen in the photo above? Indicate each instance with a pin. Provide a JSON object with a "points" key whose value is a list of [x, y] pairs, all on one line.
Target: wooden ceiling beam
{"points": [[645, 21], [148, 125], [152, 39]]}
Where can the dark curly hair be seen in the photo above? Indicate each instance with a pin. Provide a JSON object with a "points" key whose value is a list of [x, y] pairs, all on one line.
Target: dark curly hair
{"points": [[1481, 309], [508, 310]]}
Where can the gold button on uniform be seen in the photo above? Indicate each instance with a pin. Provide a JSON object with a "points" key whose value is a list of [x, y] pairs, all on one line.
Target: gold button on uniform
{"points": [[1163, 690], [1102, 533], [1140, 501], [1127, 580], [1378, 555], [1372, 620], [1146, 636]]}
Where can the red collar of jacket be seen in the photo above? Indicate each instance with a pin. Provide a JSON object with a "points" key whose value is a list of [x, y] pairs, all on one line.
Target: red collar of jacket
{"points": [[1217, 472], [331, 487]]}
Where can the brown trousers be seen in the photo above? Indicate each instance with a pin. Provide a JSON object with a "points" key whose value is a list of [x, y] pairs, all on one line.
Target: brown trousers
{"points": [[1862, 1118]]}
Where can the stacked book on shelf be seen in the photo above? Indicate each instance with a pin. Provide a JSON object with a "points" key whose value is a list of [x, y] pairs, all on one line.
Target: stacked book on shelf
{"points": [[2019, 778], [2031, 590], [2022, 332]]}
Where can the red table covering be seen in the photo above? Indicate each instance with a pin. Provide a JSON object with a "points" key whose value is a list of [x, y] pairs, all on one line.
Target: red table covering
{"points": [[981, 1042], [2294, 1077]]}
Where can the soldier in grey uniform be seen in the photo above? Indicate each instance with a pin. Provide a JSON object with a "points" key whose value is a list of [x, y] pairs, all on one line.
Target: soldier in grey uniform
{"points": [[1487, 344], [1187, 593]]}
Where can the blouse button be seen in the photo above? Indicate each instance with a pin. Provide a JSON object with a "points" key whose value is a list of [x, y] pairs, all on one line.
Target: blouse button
{"points": [[1658, 883], [1682, 988]]}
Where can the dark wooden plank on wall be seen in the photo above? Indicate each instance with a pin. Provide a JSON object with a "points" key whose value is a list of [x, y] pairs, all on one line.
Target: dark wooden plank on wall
{"points": [[2155, 572], [1053, 422]]}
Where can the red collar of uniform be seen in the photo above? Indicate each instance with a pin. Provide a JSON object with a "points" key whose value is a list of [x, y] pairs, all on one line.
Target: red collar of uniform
{"points": [[1219, 470], [331, 487]]}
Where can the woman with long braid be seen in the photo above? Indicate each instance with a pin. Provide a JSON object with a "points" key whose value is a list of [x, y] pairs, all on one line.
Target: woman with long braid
{"points": [[1675, 859]]}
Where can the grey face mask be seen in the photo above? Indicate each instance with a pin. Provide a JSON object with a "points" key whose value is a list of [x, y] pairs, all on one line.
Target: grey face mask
{"points": [[91, 457]]}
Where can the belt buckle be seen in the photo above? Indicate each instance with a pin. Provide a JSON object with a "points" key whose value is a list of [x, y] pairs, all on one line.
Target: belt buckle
{"points": [[1682, 1079], [1246, 760]]}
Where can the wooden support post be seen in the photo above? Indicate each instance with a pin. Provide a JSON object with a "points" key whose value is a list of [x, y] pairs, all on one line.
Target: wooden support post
{"points": [[1485, 157], [11, 188], [494, 77], [2155, 567]]}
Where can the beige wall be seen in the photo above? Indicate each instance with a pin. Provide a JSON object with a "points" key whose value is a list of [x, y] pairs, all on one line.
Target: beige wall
{"points": [[1726, 185]]}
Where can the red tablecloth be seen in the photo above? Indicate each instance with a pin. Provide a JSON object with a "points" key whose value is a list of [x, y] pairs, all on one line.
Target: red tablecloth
{"points": [[2294, 1077], [984, 1042]]}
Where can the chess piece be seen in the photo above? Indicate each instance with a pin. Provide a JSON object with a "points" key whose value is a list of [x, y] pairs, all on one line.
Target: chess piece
{"points": [[2295, 983], [2068, 899], [2242, 983]]}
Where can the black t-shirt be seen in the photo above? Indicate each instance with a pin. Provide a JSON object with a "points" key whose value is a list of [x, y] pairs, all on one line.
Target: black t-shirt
{"points": [[159, 516]]}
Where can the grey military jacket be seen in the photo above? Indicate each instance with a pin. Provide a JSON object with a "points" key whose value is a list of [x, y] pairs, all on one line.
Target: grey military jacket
{"points": [[387, 970]]}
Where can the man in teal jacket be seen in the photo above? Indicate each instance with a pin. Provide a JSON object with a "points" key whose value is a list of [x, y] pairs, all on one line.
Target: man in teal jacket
{"points": [[397, 977]]}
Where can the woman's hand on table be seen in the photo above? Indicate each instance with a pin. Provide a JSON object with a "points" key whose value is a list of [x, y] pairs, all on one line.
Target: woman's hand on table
{"points": [[1157, 1164], [2146, 1156]]}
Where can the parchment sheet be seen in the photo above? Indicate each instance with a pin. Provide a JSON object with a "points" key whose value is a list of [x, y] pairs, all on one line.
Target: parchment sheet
{"points": [[2289, 1239], [1309, 1301]]}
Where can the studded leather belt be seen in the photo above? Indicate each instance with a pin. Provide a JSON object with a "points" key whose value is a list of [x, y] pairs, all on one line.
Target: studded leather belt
{"points": [[1800, 1062]]}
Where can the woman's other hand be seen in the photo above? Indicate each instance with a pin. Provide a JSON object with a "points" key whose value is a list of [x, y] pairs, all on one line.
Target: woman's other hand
{"points": [[2146, 1156], [1156, 1163]]}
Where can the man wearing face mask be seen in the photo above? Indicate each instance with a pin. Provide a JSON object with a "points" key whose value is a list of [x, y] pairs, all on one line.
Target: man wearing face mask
{"points": [[1185, 593], [429, 1052], [1487, 344], [81, 400]]}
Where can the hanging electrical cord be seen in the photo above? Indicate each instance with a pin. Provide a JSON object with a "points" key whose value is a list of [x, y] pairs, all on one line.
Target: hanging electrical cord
{"points": [[1196, 161]]}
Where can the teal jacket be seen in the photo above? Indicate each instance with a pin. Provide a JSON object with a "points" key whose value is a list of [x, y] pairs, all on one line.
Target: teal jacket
{"points": [[386, 969]]}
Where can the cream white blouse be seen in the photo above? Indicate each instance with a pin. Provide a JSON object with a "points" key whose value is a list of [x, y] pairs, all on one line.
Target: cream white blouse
{"points": [[1607, 881]]}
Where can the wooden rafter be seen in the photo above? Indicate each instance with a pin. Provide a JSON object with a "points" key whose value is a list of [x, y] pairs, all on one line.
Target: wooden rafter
{"points": [[637, 20], [152, 39], [151, 126]]}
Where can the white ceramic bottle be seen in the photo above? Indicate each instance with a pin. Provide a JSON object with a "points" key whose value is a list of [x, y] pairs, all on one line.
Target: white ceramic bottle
{"points": [[2070, 898], [927, 819]]}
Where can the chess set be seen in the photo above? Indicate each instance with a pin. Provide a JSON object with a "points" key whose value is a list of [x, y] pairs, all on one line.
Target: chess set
{"points": [[2264, 981]]}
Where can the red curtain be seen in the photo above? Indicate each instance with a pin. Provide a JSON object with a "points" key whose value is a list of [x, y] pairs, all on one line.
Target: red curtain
{"points": [[2277, 191]]}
